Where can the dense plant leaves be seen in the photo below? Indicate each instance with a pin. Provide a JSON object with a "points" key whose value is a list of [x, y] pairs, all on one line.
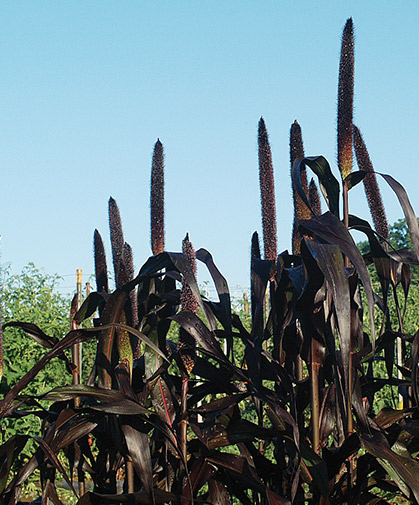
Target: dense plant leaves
{"points": [[74, 431], [328, 183], [275, 499], [180, 263], [235, 432], [412, 427], [220, 403], [330, 260], [406, 468], [112, 313], [62, 393], [197, 329], [387, 416], [239, 468], [200, 473], [161, 395], [218, 494], [139, 450], [330, 229], [159, 496], [335, 458], [316, 467], [327, 413], [141, 336], [8, 452], [52, 456], [220, 285], [49, 494]]}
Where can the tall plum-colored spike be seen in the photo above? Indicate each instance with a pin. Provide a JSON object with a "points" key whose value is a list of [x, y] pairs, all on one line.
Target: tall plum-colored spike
{"points": [[314, 198], [186, 342], [301, 211], [372, 190], [117, 238], [188, 300], [101, 268], [297, 148], [346, 100], [128, 260], [267, 193], [157, 199]]}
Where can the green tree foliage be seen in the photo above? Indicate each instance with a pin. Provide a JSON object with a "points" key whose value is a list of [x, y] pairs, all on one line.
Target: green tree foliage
{"points": [[32, 297]]}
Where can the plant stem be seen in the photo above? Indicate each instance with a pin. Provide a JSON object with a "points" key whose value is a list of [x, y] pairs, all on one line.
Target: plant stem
{"points": [[129, 468], [351, 350], [184, 422], [315, 400]]}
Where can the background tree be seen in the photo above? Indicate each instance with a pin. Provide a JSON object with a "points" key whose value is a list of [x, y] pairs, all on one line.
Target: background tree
{"points": [[32, 297]]}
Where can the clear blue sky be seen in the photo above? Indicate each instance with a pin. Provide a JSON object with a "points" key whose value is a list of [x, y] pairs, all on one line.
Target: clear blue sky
{"points": [[86, 88]]}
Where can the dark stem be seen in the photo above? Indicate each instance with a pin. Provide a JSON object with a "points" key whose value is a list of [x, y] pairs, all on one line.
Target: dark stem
{"points": [[315, 400], [184, 421]]}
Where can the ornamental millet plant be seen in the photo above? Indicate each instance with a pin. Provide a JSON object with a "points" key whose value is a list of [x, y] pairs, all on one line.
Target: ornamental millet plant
{"points": [[345, 145], [250, 431], [187, 345]]}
